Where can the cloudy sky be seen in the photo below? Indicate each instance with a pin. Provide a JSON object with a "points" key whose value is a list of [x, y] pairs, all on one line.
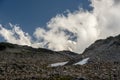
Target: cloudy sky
{"points": [[30, 14], [58, 25]]}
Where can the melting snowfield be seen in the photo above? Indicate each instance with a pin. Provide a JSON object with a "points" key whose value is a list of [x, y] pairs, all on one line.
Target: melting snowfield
{"points": [[82, 62]]}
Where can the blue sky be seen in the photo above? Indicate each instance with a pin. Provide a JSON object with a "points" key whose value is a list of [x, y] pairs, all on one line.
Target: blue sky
{"points": [[30, 14]]}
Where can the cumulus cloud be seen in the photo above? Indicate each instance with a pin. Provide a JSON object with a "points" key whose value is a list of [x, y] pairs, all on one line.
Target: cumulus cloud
{"points": [[74, 31], [78, 28], [108, 17], [15, 35]]}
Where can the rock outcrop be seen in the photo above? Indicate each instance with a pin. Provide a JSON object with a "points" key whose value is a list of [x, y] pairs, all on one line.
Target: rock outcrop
{"points": [[104, 50]]}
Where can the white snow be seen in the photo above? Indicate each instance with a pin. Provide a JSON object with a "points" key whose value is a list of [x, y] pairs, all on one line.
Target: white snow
{"points": [[82, 62], [58, 64]]}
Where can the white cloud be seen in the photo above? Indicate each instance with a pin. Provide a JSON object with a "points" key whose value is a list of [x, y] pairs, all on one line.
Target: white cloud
{"points": [[15, 35], [75, 31]]}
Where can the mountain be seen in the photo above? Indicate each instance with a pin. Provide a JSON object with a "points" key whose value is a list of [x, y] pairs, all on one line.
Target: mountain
{"points": [[25, 62], [100, 61], [11, 53], [103, 50]]}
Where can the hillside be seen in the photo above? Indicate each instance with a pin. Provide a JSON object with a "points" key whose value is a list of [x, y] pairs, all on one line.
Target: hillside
{"points": [[104, 50], [26, 63], [11, 53]]}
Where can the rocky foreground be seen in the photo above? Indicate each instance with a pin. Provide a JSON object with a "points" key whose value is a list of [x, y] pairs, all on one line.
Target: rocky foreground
{"points": [[93, 71], [26, 63]]}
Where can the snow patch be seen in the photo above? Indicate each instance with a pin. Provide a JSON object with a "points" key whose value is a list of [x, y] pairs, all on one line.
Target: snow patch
{"points": [[58, 64], [82, 62]]}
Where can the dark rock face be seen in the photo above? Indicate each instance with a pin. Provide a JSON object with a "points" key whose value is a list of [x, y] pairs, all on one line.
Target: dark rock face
{"points": [[104, 50]]}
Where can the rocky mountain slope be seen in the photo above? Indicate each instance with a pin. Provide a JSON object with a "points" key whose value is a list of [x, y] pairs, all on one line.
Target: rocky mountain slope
{"points": [[11, 53], [104, 50], [27, 63]]}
